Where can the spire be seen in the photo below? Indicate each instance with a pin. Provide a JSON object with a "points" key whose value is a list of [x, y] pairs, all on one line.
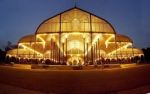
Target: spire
{"points": [[75, 3]]}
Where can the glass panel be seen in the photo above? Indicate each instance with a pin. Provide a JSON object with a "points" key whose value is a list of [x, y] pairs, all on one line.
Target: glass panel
{"points": [[99, 25], [76, 21], [52, 25]]}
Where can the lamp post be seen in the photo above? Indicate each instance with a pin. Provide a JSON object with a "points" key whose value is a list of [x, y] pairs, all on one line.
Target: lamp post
{"points": [[94, 53], [116, 47], [87, 51], [96, 50], [66, 49], [99, 56], [133, 53], [120, 50], [63, 52], [84, 48], [51, 49]]}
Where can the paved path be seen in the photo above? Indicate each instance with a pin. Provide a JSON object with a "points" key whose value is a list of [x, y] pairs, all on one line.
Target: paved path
{"points": [[79, 81]]}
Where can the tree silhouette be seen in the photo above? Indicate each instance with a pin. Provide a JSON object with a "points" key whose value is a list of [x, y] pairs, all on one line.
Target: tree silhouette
{"points": [[8, 46], [2, 56], [146, 52]]}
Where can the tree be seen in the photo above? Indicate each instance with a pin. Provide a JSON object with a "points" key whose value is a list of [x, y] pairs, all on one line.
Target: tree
{"points": [[146, 52], [2, 55], [8, 46]]}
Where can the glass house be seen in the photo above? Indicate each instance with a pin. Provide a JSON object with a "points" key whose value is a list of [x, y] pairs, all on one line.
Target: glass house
{"points": [[75, 36]]}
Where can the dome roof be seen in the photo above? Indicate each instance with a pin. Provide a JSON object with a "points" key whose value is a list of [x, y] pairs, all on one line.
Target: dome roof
{"points": [[121, 38], [136, 51], [75, 20], [27, 38]]}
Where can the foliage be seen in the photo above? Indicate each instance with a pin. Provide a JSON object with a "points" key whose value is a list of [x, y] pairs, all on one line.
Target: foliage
{"points": [[146, 54]]}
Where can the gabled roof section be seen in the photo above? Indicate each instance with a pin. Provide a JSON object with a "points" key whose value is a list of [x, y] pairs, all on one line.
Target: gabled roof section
{"points": [[75, 19], [121, 38], [27, 38]]}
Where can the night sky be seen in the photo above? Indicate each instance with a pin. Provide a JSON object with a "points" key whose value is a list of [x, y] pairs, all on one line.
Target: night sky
{"points": [[21, 17]]}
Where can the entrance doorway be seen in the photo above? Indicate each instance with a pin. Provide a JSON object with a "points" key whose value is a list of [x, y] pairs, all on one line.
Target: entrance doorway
{"points": [[75, 60]]}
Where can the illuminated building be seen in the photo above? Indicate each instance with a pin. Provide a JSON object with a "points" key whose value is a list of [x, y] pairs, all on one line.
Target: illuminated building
{"points": [[75, 36]]}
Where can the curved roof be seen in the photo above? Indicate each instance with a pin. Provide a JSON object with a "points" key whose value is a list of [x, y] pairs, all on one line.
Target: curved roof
{"points": [[122, 38], [19, 51], [12, 52], [27, 38], [137, 51], [134, 51], [75, 19]]}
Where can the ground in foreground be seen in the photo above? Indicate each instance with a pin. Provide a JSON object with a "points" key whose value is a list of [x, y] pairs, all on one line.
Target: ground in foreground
{"points": [[119, 80]]}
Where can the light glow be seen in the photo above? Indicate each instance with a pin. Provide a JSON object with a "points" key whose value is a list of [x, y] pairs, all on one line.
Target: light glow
{"points": [[30, 49], [43, 41], [123, 47], [107, 41], [73, 33]]}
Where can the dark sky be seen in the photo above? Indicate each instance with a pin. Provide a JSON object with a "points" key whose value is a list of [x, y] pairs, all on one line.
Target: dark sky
{"points": [[21, 17]]}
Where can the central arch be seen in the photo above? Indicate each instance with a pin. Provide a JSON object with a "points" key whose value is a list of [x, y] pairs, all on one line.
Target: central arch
{"points": [[75, 60]]}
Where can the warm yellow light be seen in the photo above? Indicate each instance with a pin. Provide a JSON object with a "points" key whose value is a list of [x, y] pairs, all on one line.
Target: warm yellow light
{"points": [[123, 47], [128, 65], [66, 35], [74, 44], [43, 41], [30, 49], [107, 41], [38, 36], [98, 36]]}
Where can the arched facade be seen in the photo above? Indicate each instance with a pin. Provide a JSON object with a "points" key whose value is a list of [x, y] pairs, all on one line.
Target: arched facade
{"points": [[75, 37]]}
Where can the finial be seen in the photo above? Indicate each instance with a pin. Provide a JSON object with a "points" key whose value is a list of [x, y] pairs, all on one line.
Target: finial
{"points": [[75, 1]]}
